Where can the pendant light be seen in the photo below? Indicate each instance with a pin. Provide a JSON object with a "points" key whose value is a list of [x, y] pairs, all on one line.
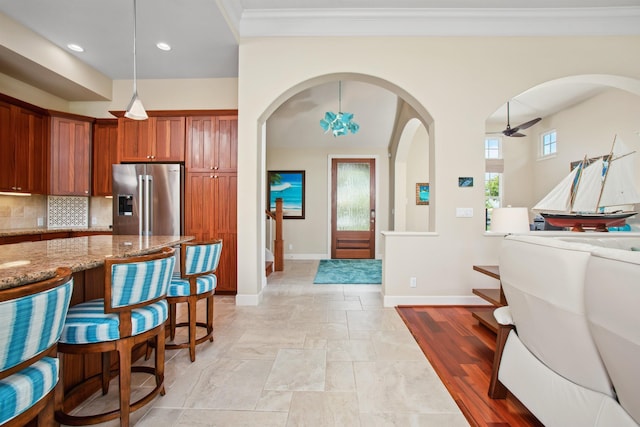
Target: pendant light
{"points": [[135, 110], [341, 123]]}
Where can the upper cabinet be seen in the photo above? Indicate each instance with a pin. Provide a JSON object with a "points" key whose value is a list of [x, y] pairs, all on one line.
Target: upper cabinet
{"points": [[158, 139], [70, 155], [23, 148], [105, 154], [212, 143]]}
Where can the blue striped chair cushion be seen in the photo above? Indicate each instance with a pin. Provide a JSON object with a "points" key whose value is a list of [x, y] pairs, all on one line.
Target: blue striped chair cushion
{"points": [[201, 258], [87, 322], [180, 287], [25, 388], [136, 282], [31, 324]]}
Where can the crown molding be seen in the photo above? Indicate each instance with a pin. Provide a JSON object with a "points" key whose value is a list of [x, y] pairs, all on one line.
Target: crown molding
{"points": [[594, 21]]}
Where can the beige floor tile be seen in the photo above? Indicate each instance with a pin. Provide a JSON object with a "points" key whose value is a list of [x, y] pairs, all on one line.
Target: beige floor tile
{"points": [[298, 370], [324, 409], [308, 355]]}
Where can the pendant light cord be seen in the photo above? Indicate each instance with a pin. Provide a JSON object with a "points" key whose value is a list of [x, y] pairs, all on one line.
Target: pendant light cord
{"points": [[135, 86], [339, 95]]}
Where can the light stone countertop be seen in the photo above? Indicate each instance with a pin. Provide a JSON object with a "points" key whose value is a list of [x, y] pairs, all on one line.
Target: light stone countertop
{"points": [[22, 263], [40, 230]]}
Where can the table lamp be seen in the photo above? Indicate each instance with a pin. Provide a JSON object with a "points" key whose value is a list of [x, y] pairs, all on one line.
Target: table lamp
{"points": [[510, 220]]}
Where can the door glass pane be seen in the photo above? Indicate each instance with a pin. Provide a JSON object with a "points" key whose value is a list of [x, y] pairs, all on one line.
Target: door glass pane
{"points": [[352, 196]]}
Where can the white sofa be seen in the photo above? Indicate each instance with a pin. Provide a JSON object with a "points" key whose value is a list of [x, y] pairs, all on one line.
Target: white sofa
{"points": [[547, 354]]}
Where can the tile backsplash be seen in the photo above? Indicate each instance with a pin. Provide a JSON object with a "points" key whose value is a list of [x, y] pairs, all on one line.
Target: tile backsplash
{"points": [[66, 212], [24, 212]]}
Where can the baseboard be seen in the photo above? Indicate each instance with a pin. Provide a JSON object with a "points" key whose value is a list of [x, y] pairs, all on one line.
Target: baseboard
{"points": [[249, 299], [393, 301]]}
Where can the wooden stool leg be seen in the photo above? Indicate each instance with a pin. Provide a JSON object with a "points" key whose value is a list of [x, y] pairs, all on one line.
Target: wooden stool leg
{"points": [[172, 320], [192, 303], [160, 339], [210, 316], [106, 372], [124, 352]]}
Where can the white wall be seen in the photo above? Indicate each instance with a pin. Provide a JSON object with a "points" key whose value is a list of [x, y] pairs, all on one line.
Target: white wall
{"points": [[417, 216], [444, 77], [310, 236]]}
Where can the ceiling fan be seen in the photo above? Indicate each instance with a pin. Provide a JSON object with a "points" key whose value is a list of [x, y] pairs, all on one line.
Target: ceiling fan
{"points": [[515, 131]]}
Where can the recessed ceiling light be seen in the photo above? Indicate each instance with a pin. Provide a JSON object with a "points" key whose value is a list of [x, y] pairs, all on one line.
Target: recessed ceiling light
{"points": [[75, 47], [163, 46]]}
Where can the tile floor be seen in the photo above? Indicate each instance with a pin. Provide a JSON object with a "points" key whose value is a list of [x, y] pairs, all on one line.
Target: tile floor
{"points": [[308, 355]]}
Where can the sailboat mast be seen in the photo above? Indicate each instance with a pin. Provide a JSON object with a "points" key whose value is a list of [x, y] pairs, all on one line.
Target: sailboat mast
{"points": [[604, 180]]}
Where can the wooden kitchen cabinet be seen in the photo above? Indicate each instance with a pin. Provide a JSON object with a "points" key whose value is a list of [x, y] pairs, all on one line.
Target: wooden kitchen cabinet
{"points": [[212, 143], [105, 154], [70, 155], [23, 148], [157, 139], [210, 213]]}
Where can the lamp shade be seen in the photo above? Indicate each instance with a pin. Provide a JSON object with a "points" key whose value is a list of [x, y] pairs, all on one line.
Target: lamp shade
{"points": [[135, 110], [510, 220]]}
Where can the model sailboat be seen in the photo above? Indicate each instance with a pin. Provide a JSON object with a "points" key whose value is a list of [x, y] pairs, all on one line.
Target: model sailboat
{"points": [[596, 195]]}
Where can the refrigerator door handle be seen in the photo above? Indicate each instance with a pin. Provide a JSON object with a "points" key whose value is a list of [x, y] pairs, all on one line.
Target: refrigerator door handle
{"points": [[140, 199], [149, 204]]}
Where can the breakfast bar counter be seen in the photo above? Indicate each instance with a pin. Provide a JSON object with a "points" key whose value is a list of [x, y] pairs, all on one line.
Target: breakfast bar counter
{"points": [[27, 262], [22, 263]]}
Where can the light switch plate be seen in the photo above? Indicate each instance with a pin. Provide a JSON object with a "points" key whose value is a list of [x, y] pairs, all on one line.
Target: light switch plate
{"points": [[464, 212]]}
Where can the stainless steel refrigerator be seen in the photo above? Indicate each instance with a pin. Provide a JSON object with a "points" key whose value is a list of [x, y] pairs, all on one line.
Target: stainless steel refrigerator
{"points": [[148, 199]]}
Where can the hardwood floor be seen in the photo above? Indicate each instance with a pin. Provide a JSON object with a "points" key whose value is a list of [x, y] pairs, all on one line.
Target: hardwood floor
{"points": [[461, 352]]}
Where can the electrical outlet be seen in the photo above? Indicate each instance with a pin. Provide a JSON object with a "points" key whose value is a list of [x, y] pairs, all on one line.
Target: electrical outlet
{"points": [[94, 220], [290, 246], [413, 282], [40, 221]]}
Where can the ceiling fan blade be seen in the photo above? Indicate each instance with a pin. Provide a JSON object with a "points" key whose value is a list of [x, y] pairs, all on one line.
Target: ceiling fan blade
{"points": [[527, 124], [516, 135]]}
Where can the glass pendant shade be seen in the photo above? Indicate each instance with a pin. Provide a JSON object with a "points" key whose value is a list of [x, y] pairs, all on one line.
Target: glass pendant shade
{"points": [[341, 123], [135, 110]]}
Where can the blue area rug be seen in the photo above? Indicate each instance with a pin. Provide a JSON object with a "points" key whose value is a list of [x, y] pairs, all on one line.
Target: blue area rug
{"points": [[349, 272]]}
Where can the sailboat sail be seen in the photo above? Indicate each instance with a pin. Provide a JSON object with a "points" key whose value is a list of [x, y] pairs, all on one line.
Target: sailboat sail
{"points": [[589, 190], [559, 199], [618, 187]]}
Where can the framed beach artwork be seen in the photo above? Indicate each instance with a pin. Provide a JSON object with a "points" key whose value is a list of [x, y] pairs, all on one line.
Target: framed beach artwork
{"points": [[288, 185], [422, 193]]}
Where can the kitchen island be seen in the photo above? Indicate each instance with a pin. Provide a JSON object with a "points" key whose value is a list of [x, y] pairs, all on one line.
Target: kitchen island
{"points": [[28, 262], [22, 263]]}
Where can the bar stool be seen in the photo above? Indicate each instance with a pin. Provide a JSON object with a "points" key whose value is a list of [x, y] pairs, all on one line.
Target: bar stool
{"points": [[32, 317], [196, 280], [133, 311]]}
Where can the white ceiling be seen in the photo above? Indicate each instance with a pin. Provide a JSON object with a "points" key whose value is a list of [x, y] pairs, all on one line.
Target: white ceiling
{"points": [[204, 37]]}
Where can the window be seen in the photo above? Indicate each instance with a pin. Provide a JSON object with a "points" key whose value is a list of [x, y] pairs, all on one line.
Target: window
{"points": [[549, 143], [493, 148], [492, 189]]}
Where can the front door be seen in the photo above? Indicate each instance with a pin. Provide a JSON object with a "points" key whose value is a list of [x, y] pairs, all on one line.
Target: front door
{"points": [[353, 215]]}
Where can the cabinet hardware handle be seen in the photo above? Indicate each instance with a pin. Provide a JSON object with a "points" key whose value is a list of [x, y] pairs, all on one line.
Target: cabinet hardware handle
{"points": [[216, 168]]}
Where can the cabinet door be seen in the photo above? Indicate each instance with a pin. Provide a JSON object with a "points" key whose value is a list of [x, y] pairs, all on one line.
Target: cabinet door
{"points": [[199, 199], [7, 146], [23, 150], [38, 152], [224, 214], [212, 143], [70, 157], [210, 213], [105, 154], [134, 140], [226, 156], [201, 133], [169, 139]]}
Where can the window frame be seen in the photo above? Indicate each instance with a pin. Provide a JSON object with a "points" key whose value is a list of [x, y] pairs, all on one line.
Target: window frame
{"points": [[542, 145]]}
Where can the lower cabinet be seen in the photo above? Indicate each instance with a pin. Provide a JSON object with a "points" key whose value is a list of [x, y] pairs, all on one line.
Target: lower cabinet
{"points": [[210, 213]]}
